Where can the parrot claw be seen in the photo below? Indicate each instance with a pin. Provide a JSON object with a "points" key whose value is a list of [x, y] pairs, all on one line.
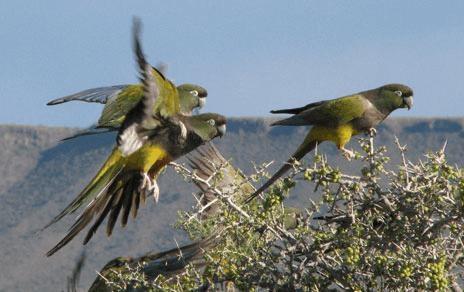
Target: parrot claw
{"points": [[147, 182], [348, 154], [154, 190], [372, 132], [149, 186]]}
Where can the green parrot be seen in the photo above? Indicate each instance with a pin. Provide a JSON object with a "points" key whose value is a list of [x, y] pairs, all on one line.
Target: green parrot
{"points": [[205, 162], [338, 119], [120, 99], [153, 134]]}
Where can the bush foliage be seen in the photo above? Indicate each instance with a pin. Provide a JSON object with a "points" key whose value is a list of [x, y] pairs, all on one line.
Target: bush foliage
{"points": [[385, 229]]}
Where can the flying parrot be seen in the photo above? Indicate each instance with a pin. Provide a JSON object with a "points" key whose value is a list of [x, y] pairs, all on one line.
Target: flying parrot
{"points": [[206, 162], [152, 134], [338, 119], [120, 99]]}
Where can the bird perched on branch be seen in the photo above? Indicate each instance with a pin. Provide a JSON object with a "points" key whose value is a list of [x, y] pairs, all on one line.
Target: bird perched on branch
{"points": [[339, 119], [152, 134]]}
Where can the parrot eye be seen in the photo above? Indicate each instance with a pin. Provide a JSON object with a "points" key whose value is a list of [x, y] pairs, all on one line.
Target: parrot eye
{"points": [[211, 122], [399, 93], [194, 92]]}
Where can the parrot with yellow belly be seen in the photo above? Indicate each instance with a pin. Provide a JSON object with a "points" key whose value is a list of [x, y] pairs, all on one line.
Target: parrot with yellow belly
{"points": [[339, 119], [153, 133]]}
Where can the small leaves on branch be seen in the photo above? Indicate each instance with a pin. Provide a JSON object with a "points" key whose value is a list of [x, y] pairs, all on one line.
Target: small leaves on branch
{"points": [[379, 229]]}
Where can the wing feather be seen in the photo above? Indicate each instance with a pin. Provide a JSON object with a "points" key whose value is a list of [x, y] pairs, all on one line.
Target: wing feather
{"points": [[330, 113], [98, 95]]}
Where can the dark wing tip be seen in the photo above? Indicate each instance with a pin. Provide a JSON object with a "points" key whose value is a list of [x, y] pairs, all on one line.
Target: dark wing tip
{"points": [[136, 25], [55, 101]]}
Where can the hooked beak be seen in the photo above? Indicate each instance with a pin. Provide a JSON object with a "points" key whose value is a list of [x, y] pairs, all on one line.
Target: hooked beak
{"points": [[222, 130], [201, 102], [408, 101]]}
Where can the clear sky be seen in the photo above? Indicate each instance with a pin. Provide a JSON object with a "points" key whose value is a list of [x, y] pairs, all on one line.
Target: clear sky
{"points": [[252, 56]]}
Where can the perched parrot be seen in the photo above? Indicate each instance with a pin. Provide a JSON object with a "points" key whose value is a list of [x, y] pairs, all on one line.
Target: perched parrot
{"points": [[153, 134], [338, 119]]}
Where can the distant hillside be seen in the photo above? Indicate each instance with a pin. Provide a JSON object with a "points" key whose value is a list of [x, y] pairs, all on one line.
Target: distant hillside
{"points": [[40, 176], [20, 149]]}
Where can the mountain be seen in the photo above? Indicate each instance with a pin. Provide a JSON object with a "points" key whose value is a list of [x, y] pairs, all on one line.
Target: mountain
{"points": [[40, 176]]}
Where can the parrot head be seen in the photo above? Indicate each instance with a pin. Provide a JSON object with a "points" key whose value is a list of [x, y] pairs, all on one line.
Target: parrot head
{"points": [[191, 96], [208, 126], [394, 96]]}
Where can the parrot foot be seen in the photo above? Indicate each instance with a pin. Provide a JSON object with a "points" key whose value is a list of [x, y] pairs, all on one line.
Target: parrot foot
{"points": [[149, 186], [154, 191], [348, 154], [147, 182], [372, 132]]}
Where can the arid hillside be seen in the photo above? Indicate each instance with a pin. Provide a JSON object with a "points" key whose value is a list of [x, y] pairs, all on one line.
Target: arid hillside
{"points": [[39, 176]]}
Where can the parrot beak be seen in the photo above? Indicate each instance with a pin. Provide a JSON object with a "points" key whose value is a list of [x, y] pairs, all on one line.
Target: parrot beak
{"points": [[222, 130], [201, 102], [408, 101]]}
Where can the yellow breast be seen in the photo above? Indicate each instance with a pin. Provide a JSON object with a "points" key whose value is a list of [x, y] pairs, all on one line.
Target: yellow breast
{"points": [[339, 135], [147, 156]]}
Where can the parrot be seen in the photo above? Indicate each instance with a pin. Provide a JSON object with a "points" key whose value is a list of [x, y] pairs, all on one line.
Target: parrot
{"points": [[120, 99], [153, 134], [206, 162], [337, 120]]}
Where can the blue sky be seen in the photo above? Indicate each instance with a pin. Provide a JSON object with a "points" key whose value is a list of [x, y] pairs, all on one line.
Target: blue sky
{"points": [[252, 56]]}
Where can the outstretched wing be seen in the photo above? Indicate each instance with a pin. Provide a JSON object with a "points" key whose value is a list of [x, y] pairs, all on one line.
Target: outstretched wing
{"points": [[116, 109], [144, 116], [330, 113], [97, 95], [167, 101], [159, 102]]}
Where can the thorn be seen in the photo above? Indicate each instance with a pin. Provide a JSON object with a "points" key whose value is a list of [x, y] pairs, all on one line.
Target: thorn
{"points": [[444, 146]]}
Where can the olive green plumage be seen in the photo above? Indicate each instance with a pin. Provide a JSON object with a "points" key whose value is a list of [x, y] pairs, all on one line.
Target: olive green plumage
{"points": [[206, 162], [339, 119], [153, 133], [120, 99]]}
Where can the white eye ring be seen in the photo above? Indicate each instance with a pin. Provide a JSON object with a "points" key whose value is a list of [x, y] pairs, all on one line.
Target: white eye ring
{"points": [[194, 93], [399, 93], [211, 122]]}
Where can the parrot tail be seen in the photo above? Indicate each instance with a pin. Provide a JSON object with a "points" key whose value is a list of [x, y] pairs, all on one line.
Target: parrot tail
{"points": [[299, 153], [98, 185], [98, 95], [122, 195], [109, 190]]}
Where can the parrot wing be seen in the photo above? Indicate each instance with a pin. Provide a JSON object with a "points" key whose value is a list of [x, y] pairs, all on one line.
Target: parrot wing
{"points": [[330, 113], [98, 95], [144, 119]]}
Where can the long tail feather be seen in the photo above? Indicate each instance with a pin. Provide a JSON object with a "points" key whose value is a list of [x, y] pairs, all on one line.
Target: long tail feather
{"points": [[91, 131], [98, 95], [99, 184], [304, 148], [127, 203], [114, 214], [100, 219]]}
